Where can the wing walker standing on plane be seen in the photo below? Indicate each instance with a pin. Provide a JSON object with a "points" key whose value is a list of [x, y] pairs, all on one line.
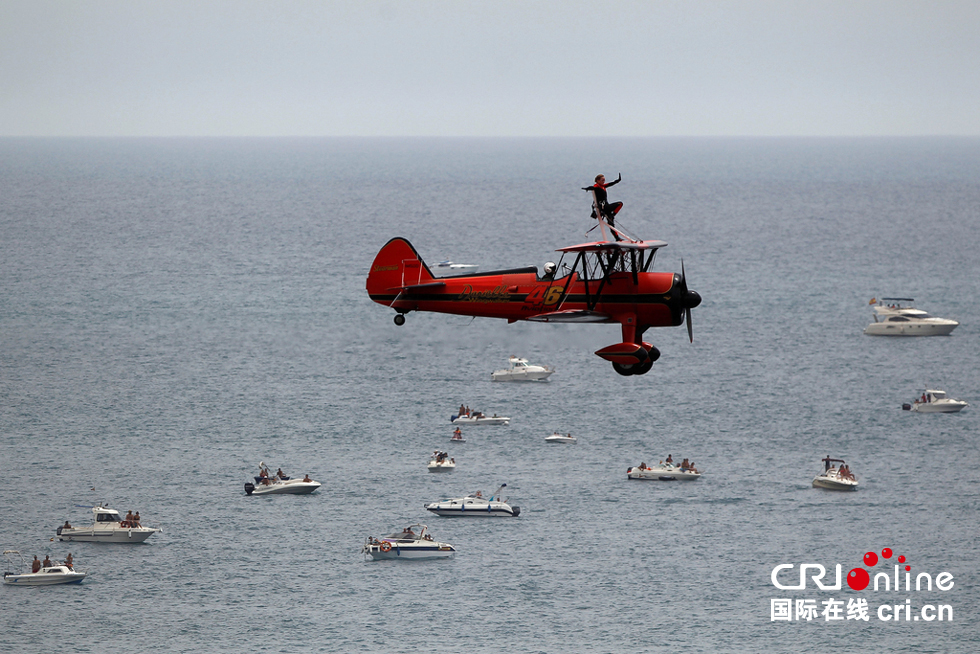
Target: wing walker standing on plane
{"points": [[607, 282]]}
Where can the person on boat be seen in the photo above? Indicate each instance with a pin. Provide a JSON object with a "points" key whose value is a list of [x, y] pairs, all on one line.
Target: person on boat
{"points": [[826, 463], [684, 464], [606, 210], [670, 460], [136, 520], [408, 533], [67, 525], [35, 565], [307, 478], [47, 562], [462, 410], [642, 466], [281, 474], [69, 561], [263, 472], [692, 468], [128, 521]]}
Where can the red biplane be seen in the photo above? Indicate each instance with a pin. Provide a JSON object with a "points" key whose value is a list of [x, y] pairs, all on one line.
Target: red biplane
{"points": [[608, 282]]}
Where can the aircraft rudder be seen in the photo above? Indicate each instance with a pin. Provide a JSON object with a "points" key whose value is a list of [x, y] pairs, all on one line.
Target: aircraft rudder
{"points": [[390, 265]]}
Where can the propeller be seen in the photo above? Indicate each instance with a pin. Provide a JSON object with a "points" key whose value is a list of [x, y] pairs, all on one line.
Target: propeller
{"points": [[690, 299]]}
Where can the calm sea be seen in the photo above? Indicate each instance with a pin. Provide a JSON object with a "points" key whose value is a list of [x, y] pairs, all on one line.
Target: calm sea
{"points": [[174, 311]]}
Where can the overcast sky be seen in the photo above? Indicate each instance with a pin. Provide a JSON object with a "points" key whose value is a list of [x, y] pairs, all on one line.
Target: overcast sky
{"points": [[489, 68]]}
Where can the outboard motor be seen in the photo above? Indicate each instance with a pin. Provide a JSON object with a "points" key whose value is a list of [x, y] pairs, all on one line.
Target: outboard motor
{"points": [[906, 407], [249, 488], [59, 530], [517, 510]]}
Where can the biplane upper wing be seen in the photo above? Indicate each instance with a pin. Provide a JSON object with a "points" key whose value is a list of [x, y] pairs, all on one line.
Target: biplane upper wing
{"points": [[572, 315], [603, 246]]}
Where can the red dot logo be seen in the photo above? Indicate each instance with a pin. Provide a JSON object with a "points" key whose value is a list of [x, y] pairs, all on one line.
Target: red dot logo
{"points": [[886, 553], [907, 568], [871, 559], [858, 579], [901, 559]]}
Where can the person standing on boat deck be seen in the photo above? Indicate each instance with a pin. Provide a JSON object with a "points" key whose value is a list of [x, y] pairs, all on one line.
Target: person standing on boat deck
{"points": [[69, 561], [47, 562], [35, 565], [606, 210], [136, 520]]}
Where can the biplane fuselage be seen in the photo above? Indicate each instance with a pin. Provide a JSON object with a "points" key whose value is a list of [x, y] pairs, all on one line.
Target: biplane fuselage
{"points": [[607, 283]]}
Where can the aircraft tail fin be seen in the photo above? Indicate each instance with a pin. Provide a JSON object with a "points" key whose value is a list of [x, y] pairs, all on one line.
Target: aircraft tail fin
{"points": [[396, 266]]}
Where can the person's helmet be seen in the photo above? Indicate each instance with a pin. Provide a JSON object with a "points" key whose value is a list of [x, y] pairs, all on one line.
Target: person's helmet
{"points": [[550, 267]]}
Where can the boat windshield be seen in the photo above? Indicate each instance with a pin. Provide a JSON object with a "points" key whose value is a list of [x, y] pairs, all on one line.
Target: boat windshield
{"points": [[107, 517]]}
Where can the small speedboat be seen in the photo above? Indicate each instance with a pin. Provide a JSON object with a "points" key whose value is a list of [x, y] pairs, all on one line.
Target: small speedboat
{"points": [[441, 462], [457, 437], [836, 478], [521, 370], [933, 401], [414, 544], [452, 267], [107, 527], [893, 318], [663, 472], [558, 438], [475, 505], [477, 418], [267, 483], [50, 575]]}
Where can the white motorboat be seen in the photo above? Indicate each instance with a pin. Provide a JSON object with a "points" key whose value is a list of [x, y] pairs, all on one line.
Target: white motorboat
{"points": [[408, 544], [107, 527], [836, 478], [452, 267], [933, 401], [276, 486], [267, 483], [896, 316], [477, 418], [663, 472], [51, 575], [521, 370], [457, 437], [475, 505], [441, 462], [558, 438]]}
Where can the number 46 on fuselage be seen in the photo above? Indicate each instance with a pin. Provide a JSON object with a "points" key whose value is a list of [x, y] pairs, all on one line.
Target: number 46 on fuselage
{"points": [[607, 282]]}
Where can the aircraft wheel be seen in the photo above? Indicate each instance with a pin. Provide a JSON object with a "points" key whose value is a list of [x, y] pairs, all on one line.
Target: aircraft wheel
{"points": [[643, 368], [625, 369], [399, 319]]}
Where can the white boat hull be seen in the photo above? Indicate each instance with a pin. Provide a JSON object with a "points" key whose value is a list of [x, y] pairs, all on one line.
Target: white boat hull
{"points": [[46, 577], [417, 551], [467, 420], [561, 439], [106, 534], [521, 376], [940, 406], [834, 482], [662, 473], [910, 328], [442, 467], [471, 509]]}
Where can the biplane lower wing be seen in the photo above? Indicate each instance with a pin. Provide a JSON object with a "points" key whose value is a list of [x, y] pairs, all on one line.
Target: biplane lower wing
{"points": [[573, 316]]}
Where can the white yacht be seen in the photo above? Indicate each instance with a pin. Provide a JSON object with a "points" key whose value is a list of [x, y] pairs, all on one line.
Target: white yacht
{"points": [[452, 267], [836, 478], [475, 505], [478, 418], [441, 462], [521, 370], [558, 438], [663, 472], [934, 401], [107, 527], [276, 486], [51, 575], [896, 316], [411, 543], [268, 483]]}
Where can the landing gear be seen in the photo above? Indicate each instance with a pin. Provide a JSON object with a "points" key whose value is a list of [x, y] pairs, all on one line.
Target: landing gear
{"points": [[399, 319], [627, 369]]}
